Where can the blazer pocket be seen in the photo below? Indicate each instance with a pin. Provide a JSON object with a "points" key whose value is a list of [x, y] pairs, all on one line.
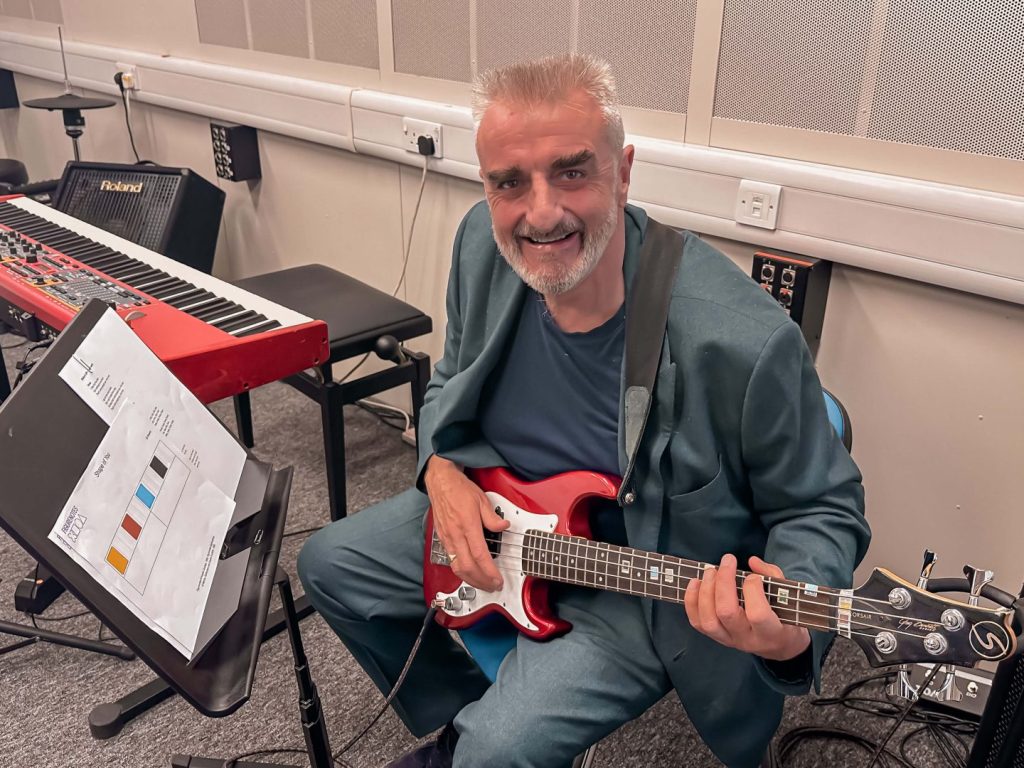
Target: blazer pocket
{"points": [[703, 497]]}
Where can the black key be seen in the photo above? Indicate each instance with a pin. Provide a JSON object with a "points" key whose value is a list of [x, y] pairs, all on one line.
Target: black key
{"points": [[242, 320], [189, 297], [216, 309], [225, 314]]}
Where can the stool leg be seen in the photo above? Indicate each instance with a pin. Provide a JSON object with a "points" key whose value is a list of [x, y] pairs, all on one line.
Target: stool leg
{"points": [[421, 377], [5, 383], [332, 414], [243, 419]]}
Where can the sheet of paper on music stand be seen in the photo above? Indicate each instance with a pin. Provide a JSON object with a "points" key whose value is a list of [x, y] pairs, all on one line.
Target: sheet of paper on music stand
{"points": [[113, 366], [149, 526]]}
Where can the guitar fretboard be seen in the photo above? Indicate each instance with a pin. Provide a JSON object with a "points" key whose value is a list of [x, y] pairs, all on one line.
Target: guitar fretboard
{"points": [[575, 560]]}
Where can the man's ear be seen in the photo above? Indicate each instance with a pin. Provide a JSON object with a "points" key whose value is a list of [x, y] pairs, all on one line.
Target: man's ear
{"points": [[625, 170]]}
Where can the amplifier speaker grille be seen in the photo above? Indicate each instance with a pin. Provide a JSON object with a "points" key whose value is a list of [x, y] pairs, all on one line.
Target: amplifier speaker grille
{"points": [[137, 216], [172, 211]]}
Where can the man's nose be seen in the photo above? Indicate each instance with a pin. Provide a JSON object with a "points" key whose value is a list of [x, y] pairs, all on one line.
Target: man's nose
{"points": [[545, 207]]}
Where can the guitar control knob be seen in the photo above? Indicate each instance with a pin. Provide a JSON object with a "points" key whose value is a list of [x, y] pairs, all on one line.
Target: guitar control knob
{"points": [[885, 642], [452, 603], [952, 619], [467, 592], [935, 643], [899, 598]]}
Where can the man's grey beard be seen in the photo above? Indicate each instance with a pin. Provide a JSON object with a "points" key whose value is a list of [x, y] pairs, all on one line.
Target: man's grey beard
{"points": [[568, 277]]}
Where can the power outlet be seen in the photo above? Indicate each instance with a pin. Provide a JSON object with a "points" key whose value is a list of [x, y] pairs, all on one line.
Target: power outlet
{"points": [[129, 76], [412, 130], [757, 203]]}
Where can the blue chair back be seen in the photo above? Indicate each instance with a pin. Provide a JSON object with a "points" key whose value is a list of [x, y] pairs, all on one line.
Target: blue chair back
{"points": [[490, 639]]}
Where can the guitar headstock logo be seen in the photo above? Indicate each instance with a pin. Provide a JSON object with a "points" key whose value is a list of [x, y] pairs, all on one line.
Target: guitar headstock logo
{"points": [[989, 640]]}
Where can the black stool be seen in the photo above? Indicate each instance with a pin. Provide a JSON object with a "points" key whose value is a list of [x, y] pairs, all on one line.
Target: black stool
{"points": [[360, 319]]}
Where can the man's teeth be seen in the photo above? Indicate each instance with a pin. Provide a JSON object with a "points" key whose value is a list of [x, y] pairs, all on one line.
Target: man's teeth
{"points": [[542, 240]]}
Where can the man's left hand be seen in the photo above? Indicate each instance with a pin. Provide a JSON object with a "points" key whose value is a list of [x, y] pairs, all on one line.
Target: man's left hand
{"points": [[713, 607]]}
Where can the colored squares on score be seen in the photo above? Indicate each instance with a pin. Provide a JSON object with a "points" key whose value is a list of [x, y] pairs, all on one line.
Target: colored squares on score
{"points": [[116, 559], [145, 495], [131, 526]]}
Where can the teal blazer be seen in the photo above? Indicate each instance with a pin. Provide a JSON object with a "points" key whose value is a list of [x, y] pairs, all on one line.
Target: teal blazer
{"points": [[737, 455]]}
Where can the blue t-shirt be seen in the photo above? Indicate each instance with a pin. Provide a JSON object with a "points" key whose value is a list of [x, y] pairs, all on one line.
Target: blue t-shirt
{"points": [[552, 405]]}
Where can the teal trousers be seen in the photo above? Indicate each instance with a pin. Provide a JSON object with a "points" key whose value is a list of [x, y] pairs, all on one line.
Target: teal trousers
{"points": [[551, 700]]}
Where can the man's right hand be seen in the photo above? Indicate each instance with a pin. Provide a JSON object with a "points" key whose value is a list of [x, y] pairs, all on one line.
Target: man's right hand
{"points": [[461, 513]]}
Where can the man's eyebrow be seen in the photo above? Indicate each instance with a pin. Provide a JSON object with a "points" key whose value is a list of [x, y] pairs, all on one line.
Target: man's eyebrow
{"points": [[503, 174], [571, 161]]}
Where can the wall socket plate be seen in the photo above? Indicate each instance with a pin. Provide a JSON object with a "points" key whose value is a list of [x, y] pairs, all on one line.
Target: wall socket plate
{"points": [[757, 203], [413, 129], [129, 76]]}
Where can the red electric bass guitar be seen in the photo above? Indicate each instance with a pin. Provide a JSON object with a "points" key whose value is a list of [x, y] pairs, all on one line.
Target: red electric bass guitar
{"points": [[548, 539]]}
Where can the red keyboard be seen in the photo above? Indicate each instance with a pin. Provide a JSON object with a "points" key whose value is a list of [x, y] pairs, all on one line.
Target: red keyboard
{"points": [[218, 339]]}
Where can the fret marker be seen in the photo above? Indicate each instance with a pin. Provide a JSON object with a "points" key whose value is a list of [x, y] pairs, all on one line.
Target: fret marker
{"points": [[654, 573], [626, 565], [783, 596], [811, 590], [669, 576]]}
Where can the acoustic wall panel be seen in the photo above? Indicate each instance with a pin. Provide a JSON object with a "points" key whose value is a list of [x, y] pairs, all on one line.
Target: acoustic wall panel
{"points": [[21, 8], [951, 75], [345, 32], [432, 40], [222, 22], [48, 10], [649, 44], [507, 32], [279, 26], [797, 63]]}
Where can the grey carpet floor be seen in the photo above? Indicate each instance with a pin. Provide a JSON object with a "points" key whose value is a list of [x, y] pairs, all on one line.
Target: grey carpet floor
{"points": [[47, 691]]}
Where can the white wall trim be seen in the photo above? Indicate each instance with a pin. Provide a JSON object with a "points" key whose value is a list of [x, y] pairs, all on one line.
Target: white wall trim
{"points": [[960, 238]]}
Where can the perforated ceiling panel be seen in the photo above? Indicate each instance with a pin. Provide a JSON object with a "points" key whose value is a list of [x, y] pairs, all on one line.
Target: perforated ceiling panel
{"points": [[222, 22], [951, 75], [796, 63], [279, 26], [507, 32], [345, 31], [434, 44], [649, 44], [48, 10]]}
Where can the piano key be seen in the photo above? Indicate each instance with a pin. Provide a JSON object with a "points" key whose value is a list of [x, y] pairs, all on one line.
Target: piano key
{"points": [[247, 318], [267, 326], [215, 309], [188, 297], [227, 314]]}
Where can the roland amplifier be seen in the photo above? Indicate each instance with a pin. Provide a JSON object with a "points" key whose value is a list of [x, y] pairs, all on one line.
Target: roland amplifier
{"points": [[172, 211]]}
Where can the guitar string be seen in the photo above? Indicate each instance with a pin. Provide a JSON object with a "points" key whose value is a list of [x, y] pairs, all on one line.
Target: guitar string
{"points": [[495, 537], [792, 622], [701, 568]]}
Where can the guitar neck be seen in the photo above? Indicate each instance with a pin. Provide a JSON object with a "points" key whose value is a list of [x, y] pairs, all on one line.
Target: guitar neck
{"points": [[575, 560]]}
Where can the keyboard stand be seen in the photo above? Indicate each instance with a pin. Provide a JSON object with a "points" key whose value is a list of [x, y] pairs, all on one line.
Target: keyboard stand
{"points": [[360, 319]]}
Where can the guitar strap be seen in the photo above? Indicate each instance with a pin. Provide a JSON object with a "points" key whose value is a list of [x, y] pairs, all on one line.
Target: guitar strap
{"points": [[646, 323]]}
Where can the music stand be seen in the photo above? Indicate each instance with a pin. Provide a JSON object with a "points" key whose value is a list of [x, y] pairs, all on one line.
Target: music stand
{"points": [[38, 472]]}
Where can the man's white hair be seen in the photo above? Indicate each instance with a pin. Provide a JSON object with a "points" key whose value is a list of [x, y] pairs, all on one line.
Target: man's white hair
{"points": [[550, 80]]}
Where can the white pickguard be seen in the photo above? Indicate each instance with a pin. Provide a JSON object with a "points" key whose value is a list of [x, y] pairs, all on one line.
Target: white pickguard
{"points": [[467, 599]]}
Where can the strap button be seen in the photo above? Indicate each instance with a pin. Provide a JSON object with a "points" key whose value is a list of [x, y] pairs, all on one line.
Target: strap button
{"points": [[629, 498]]}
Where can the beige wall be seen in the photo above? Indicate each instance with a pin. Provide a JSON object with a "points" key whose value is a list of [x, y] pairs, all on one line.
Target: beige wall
{"points": [[931, 377]]}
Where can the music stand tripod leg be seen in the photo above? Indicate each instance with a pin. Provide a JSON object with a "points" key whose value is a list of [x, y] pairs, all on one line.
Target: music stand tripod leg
{"points": [[5, 383], [314, 727], [58, 638]]}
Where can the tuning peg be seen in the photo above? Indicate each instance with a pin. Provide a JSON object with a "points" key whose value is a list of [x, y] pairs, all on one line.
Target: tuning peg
{"points": [[978, 578], [930, 558]]}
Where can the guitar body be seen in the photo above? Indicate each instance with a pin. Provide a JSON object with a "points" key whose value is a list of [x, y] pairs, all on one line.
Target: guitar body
{"points": [[559, 504]]}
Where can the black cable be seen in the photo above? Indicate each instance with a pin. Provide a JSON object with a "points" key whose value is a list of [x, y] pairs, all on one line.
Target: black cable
{"points": [[59, 618], [21, 343], [19, 644], [902, 717], [128, 122], [427, 621], [300, 531], [789, 741]]}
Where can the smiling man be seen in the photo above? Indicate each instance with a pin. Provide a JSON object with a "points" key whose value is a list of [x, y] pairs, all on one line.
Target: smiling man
{"points": [[737, 461]]}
